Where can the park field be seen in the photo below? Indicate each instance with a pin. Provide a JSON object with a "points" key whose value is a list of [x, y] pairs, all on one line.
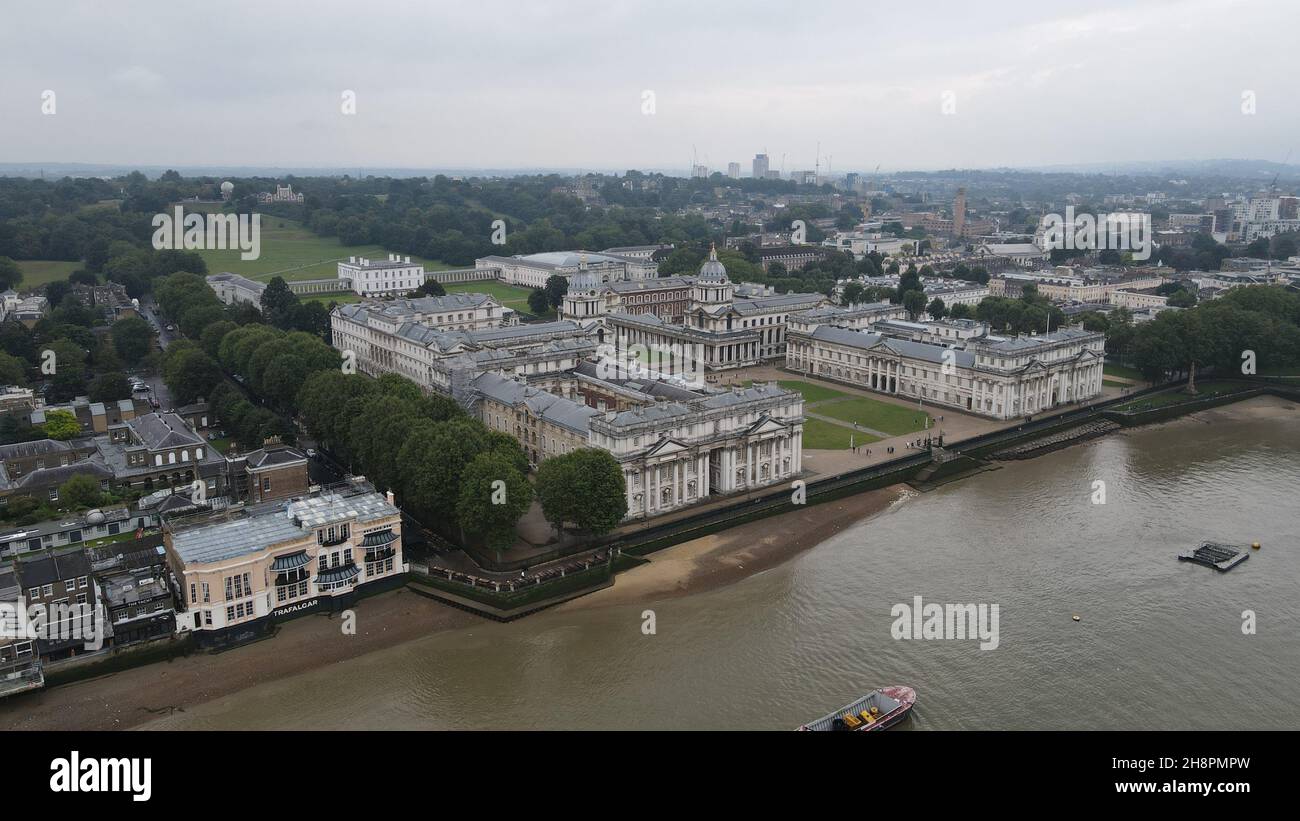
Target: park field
{"points": [[293, 252], [37, 273]]}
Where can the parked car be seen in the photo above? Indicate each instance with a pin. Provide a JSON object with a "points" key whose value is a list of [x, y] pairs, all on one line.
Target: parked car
{"points": [[311, 453]]}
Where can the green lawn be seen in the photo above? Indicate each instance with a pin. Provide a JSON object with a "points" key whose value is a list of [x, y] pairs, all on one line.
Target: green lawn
{"points": [[895, 420], [1113, 384], [811, 392], [222, 445], [822, 435], [293, 252], [326, 299], [1111, 369], [37, 273], [511, 296]]}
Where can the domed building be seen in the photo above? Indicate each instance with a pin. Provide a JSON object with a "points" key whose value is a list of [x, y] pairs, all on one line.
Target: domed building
{"points": [[584, 298], [722, 329], [712, 288], [227, 189]]}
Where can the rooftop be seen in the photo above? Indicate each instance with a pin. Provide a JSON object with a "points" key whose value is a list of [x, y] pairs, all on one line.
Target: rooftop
{"points": [[237, 531]]}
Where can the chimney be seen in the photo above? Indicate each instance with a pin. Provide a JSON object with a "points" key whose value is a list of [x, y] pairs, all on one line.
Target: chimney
{"points": [[352, 260], [408, 260], [389, 497]]}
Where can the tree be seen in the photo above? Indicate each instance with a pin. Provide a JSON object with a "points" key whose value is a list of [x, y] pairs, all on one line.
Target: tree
{"points": [[279, 303], [110, 387], [431, 287], [538, 302], [61, 424], [493, 495], [585, 487], [10, 274], [132, 339], [13, 371], [556, 287], [190, 374], [80, 491], [936, 308], [430, 464], [914, 302], [210, 338]]}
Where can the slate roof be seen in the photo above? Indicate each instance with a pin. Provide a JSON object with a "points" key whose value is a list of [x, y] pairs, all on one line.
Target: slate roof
{"points": [[46, 567], [554, 409], [159, 431]]}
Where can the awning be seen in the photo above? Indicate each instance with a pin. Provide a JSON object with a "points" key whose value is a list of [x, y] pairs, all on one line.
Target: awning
{"points": [[338, 574], [291, 561], [379, 538]]}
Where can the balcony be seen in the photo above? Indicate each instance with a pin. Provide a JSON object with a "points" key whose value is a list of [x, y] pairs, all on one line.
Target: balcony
{"points": [[20, 675]]}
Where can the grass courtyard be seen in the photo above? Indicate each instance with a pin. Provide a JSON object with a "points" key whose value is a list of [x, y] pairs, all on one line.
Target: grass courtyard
{"points": [[824, 400], [819, 434], [886, 417]]}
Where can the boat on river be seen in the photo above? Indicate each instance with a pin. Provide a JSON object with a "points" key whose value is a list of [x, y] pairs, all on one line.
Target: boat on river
{"points": [[877, 710]]}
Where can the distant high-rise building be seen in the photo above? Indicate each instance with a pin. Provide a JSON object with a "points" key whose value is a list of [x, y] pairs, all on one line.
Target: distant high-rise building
{"points": [[760, 166], [733, 170], [700, 171], [851, 180], [959, 212]]}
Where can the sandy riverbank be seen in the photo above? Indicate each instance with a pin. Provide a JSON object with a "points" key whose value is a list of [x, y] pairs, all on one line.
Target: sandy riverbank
{"points": [[132, 697], [723, 558], [121, 700]]}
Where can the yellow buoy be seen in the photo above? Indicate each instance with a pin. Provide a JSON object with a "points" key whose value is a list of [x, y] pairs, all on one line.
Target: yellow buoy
{"points": [[1255, 545]]}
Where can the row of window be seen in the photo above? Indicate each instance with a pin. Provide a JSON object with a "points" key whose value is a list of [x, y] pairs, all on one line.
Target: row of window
{"points": [[45, 591]]}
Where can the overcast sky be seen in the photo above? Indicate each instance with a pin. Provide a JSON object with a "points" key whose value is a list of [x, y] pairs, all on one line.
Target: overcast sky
{"points": [[560, 84]]}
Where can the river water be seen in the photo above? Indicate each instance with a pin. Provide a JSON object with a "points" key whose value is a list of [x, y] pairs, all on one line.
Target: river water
{"points": [[1159, 643]]}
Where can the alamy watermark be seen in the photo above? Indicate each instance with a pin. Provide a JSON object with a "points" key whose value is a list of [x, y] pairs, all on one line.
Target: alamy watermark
{"points": [[637, 360], [1099, 232], [55, 623], [208, 232], [946, 621]]}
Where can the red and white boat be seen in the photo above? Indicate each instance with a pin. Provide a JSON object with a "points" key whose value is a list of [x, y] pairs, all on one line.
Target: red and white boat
{"points": [[877, 710]]}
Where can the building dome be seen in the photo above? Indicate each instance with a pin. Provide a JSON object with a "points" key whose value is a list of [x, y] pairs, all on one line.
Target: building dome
{"points": [[584, 280], [713, 270], [227, 187], [95, 517]]}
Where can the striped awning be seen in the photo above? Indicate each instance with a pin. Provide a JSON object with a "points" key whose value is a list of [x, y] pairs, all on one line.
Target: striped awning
{"points": [[291, 561], [338, 574]]}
